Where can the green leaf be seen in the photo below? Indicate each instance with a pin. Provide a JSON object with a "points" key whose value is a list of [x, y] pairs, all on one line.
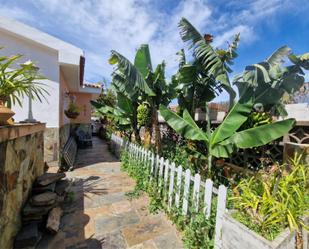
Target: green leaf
{"points": [[278, 56], [184, 126], [96, 104], [235, 118], [220, 151], [261, 135], [187, 73], [142, 60], [132, 76], [124, 104]]}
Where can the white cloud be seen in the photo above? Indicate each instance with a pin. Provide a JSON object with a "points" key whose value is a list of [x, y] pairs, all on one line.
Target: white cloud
{"points": [[99, 26], [15, 13]]}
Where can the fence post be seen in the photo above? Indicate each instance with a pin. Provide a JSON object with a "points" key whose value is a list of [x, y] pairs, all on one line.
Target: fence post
{"points": [[152, 165], [208, 197], [166, 172], [186, 192], [220, 211], [171, 187], [196, 191], [178, 185], [161, 172]]}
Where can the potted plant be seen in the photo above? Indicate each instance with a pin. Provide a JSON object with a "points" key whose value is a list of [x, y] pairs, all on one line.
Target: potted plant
{"points": [[270, 209], [73, 110], [17, 83]]}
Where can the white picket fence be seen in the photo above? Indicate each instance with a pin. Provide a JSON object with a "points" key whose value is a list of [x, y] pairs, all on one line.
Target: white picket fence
{"points": [[174, 180]]}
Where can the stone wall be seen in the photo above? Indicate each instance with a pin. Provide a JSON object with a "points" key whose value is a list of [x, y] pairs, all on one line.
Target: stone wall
{"points": [[21, 161], [51, 145]]}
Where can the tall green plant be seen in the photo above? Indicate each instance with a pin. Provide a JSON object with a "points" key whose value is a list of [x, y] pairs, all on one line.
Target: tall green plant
{"points": [[223, 141], [271, 79], [19, 82], [200, 81]]}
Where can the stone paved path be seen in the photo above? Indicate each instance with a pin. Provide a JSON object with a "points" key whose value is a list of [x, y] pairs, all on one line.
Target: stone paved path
{"points": [[101, 216]]}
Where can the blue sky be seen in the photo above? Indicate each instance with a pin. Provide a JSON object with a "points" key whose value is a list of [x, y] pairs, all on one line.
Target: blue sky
{"points": [[98, 26]]}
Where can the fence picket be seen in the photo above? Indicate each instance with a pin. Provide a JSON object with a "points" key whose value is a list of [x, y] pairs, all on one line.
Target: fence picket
{"points": [[196, 191], [220, 211], [178, 184], [161, 172], [171, 187], [186, 192], [167, 165], [152, 165], [208, 197]]}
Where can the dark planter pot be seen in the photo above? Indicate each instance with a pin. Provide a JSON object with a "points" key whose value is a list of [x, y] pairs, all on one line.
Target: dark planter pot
{"points": [[71, 115]]}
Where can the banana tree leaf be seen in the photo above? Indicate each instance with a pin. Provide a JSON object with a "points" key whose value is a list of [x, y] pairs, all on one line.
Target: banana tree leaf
{"points": [[278, 56], [224, 80], [133, 77], [106, 110], [222, 151], [142, 60], [96, 104], [261, 135], [124, 103], [184, 126], [235, 118], [188, 73], [292, 82]]}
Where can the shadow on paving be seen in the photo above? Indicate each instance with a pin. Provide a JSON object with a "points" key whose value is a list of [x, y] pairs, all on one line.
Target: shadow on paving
{"points": [[72, 233], [98, 214], [94, 154]]}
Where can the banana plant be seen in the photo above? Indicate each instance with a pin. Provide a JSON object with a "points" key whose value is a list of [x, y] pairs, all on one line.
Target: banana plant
{"points": [[140, 83], [129, 80], [201, 80], [120, 114], [270, 80], [226, 138]]}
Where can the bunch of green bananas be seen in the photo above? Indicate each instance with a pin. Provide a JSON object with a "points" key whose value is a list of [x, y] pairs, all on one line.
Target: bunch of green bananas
{"points": [[143, 114], [256, 119], [259, 118]]}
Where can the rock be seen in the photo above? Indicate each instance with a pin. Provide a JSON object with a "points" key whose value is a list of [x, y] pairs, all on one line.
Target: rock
{"points": [[53, 221], [28, 236], [48, 178], [41, 189], [30, 210], [62, 187], [44, 199]]}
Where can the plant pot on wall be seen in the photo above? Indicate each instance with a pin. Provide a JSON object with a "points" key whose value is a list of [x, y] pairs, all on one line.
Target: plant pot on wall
{"points": [[5, 112], [71, 115]]}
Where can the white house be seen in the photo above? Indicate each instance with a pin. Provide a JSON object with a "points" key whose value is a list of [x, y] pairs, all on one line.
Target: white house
{"points": [[63, 66]]}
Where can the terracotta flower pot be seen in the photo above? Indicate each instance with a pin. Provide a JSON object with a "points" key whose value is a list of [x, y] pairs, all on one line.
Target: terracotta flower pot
{"points": [[71, 115], [5, 112]]}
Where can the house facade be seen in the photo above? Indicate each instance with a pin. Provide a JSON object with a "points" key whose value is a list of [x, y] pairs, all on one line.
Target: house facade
{"points": [[63, 66]]}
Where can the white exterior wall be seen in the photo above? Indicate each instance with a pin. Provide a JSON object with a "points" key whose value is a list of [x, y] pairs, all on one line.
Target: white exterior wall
{"points": [[47, 60], [298, 111]]}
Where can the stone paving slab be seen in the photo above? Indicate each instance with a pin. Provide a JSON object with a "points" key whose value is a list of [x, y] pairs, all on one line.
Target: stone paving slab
{"points": [[101, 216]]}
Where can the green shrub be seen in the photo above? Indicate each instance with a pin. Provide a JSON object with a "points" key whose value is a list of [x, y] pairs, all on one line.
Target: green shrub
{"points": [[269, 202]]}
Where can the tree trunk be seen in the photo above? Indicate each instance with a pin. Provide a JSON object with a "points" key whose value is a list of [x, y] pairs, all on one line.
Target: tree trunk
{"points": [[157, 131], [137, 136], [135, 125], [209, 156], [147, 137]]}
